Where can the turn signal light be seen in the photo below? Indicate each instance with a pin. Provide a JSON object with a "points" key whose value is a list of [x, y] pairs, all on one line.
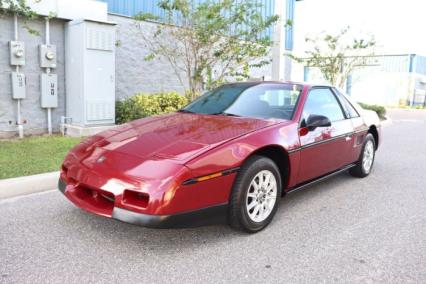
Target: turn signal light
{"points": [[210, 176], [203, 178]]}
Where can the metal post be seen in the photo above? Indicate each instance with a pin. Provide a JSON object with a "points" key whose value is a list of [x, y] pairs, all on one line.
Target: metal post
{"points": [[278, 48]]}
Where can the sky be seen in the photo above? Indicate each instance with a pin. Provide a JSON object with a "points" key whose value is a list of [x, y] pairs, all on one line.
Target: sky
{"points": [[399, 26]]}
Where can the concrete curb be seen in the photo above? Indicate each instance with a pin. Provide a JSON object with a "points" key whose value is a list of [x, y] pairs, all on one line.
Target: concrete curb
{"points": [[28, 184]]}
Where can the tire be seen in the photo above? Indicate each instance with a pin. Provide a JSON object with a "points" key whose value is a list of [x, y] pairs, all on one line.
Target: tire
{"points": [[260, 172], [363, 169]]}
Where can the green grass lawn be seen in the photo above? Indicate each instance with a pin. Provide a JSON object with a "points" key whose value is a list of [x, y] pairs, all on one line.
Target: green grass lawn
{"points": [[33, 155]]}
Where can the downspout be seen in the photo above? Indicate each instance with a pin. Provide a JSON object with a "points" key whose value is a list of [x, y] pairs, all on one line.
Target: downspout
{"points": [[49, 110], [411, 87], [349, 85], [305, 73], [18, 115]]}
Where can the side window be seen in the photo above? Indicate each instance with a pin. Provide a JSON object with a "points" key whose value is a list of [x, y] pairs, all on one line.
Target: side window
{"points": [[349, 109], [322, 102]]}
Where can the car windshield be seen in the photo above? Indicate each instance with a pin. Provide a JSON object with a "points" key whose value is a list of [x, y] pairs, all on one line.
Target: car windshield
{"points": [[267, 100]]}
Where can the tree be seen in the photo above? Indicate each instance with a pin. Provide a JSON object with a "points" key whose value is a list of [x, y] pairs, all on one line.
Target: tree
{"points": [[337, 56], [212, 42], [21, 8], [18, 7]]}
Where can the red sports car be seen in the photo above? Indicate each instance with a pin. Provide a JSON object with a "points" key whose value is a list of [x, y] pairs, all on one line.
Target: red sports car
{"points": [[230, 154]]}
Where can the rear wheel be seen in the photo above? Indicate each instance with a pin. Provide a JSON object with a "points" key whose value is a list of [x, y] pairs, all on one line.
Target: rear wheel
{"points": [[366, 159], [255, 195]]}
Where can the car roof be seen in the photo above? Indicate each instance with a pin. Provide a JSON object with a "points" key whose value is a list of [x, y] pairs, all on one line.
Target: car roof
{"points": [[255, 83]]}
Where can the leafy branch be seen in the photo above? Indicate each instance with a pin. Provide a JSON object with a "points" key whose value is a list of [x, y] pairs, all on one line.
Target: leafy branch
{"points": [[20, 8], [213, 42], [337, 56]]}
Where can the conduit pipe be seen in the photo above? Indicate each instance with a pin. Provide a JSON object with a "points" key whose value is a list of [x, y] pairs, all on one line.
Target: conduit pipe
{"points": [[49, 110], [18, 115]]}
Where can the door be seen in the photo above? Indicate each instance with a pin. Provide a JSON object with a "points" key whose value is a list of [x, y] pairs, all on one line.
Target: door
{"points": [[323, 149], [99, 74], [360, 128]]}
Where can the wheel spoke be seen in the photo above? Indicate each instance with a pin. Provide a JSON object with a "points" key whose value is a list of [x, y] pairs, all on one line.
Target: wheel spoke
{"points": [[252, 204], [271, 186], [270, 204], [251, 194], [267, 179], [261, 210], [256, 210], [271, 197], [255, 186]]}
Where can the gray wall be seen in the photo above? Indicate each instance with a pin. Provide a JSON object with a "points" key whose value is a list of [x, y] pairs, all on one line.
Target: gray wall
{"points": [[133, 73], [31, 110]]}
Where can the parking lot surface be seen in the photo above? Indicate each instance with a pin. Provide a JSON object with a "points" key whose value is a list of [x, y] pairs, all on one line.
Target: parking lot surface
{"points": [[342, 230]]}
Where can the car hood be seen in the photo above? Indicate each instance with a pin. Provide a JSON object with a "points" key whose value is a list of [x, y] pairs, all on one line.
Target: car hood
{"points": [[177, 136]]}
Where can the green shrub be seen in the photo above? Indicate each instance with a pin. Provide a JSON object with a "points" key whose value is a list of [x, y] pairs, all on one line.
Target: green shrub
{"points": [[143, 105], [380, 110]]}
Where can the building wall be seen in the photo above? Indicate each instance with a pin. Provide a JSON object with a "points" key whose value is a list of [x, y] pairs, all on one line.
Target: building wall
{"points": [[32, 113], [133, 73], [133, 7], [389, 80]]}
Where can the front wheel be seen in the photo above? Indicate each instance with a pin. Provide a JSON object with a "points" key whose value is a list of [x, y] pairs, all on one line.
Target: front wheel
{"points": [[255, 195], [366, 159]]}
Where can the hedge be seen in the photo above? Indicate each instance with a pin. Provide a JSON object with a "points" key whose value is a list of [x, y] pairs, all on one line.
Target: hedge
{"points": [[143, 105], [380, 110]]}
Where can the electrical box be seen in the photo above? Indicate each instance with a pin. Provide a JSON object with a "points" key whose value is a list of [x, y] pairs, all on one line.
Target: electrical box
{"points": [[49, 90], [18, 85], [90, 72], [48, 56], [17, 53]]}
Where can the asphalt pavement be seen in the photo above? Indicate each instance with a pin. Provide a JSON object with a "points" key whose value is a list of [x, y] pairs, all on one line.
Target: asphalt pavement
{"points": [[343, 230]]}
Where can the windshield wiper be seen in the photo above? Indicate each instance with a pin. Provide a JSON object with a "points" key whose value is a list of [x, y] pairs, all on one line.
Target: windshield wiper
{"points": [[185, 111], [226, 114]]}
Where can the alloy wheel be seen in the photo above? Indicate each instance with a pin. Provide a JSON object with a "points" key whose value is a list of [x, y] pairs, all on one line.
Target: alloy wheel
{"points": [[261, 196], [367, 160]]}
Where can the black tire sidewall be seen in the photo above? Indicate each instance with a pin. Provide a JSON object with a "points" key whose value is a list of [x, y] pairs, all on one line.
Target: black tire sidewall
{"points": [[246, 175]]}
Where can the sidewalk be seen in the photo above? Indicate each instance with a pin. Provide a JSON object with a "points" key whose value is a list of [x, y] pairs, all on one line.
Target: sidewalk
{"points": [[28, 184]]}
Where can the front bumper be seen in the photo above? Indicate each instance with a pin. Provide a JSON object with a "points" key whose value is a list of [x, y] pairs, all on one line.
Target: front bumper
{"points": [[204, 216]]}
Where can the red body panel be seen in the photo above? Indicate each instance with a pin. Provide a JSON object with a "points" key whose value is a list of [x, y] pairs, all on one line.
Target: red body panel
{"points": [[142, 166]]}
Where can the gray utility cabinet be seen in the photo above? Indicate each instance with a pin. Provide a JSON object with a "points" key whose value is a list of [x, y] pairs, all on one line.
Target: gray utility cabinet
{"points": [[90, 72]]}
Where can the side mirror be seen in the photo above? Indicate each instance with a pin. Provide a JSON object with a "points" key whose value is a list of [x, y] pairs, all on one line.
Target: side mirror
{"points": [[315, 121]]}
